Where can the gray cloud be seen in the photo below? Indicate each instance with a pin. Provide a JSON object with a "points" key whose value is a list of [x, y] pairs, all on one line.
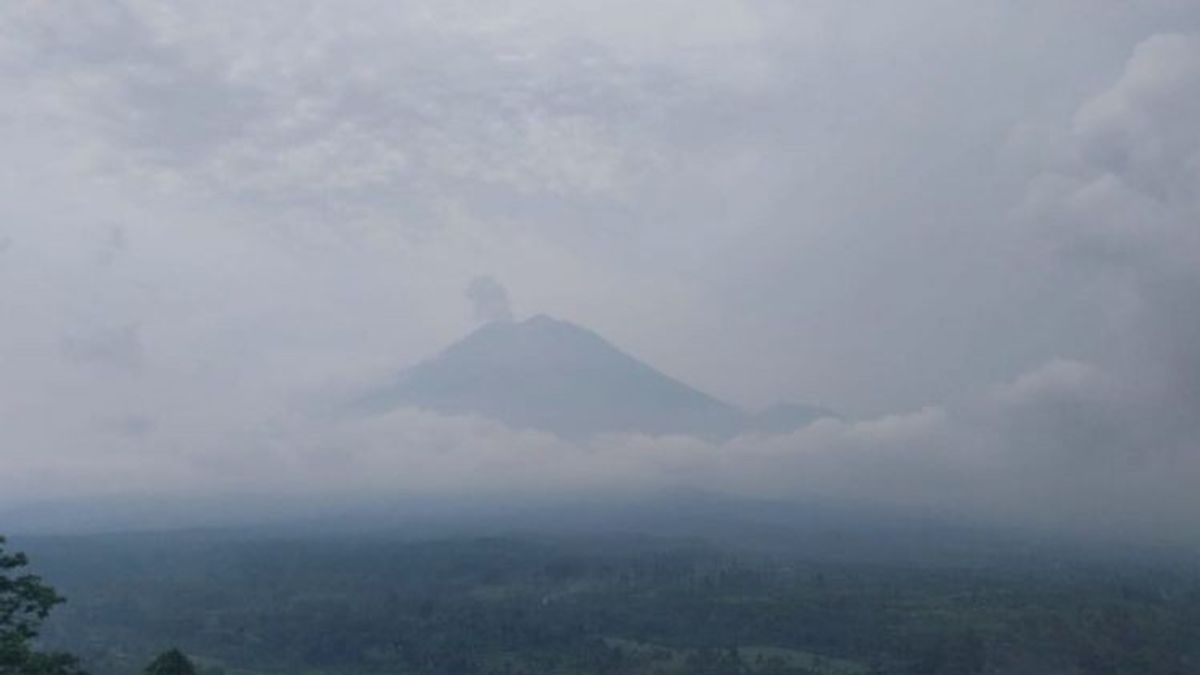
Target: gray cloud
{"points": [[489, 299], [1125, 202], [113, 346], [979, 245]]}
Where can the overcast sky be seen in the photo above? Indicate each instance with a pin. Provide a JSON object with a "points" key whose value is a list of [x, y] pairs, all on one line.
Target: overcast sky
{"points": [[973, 228]]}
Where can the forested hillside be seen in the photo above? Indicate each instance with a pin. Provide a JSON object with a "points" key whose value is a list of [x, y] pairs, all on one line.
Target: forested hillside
{"points": [[601, 605]]}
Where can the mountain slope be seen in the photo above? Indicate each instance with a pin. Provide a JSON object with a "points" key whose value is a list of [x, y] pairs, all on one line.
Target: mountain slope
{"points": [[547, 374], [782, 418]]}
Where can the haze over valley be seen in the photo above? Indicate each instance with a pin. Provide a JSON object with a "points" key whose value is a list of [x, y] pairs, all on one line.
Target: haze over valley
{"points": [[548, 337]]}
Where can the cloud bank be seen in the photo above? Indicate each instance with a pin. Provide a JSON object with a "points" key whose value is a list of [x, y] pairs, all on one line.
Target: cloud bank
{"points": [[215, 219]]}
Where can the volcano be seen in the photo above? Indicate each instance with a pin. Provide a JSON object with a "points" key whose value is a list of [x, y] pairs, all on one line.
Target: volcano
{"points": [[544, 373]]}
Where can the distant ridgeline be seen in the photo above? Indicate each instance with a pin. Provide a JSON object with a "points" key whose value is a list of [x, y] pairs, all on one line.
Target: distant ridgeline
{"points": [[543, 373]]}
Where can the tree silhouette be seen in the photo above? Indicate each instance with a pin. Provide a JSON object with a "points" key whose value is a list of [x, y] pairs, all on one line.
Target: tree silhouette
{"points": [[26, 601], [171, 662]]}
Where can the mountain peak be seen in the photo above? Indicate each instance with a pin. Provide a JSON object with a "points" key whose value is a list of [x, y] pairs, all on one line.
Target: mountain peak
{"points": [[550, 374]]}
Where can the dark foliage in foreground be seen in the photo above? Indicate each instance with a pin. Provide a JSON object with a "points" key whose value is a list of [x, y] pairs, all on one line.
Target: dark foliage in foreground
{"points": [[171, 662], [25, 602]]}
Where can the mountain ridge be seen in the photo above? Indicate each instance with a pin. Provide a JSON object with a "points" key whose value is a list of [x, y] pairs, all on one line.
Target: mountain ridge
{"points": [[554, 375]]}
